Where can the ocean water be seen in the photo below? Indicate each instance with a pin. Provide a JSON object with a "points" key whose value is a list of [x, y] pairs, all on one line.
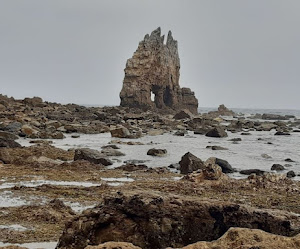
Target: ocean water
{"points": [[249, 111], [247, 154]]}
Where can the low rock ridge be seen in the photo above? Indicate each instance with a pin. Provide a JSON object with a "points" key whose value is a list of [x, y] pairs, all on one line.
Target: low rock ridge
{"points": [[155, 69], [155, 221]]}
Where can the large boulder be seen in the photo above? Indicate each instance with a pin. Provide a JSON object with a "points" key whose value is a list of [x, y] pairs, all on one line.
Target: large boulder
{"points": [[9, 143], [151, 220], [154, 69], [120, 132], [92, 156], [225, 166], [190, 163], [216, 132]]}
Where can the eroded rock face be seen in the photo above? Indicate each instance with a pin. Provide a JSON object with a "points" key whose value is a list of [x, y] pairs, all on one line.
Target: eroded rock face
{"points": [[154, 68], [155, 221]]}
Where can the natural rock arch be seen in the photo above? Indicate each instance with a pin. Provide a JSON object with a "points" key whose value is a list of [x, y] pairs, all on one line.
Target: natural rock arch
{"points": [[155, 68]]}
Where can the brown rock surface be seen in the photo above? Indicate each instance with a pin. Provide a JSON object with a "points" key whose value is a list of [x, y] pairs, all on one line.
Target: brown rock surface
{"points": [[154, 68], [243, 238], [153, 221], [114, 245]]}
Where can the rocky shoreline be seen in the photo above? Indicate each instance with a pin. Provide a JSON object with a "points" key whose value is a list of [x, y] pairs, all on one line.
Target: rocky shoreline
{"points": [[77, 197]]}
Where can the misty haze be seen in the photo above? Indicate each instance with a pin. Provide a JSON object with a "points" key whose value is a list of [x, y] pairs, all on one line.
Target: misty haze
{"points": [[137, 124]]}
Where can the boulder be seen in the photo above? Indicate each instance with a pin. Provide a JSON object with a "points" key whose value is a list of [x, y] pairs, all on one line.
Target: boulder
{"points": [[216, 147], [277, 167], [268, 116], [92, 156], [130, 167], [157, 152], [9, 143], [190, 163], [216, 132], [282, 133], [28, 130], [183, 114], [112, 152], [120, 132], [150, 220], [225, 166], [252, 171], [154, 69], [290, 174]]}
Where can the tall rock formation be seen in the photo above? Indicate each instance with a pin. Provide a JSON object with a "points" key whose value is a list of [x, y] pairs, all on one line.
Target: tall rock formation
{"points": [[154, 69]]}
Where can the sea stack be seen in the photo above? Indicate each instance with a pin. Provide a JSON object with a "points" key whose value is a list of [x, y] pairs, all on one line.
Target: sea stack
{"points": [[155, 69]]}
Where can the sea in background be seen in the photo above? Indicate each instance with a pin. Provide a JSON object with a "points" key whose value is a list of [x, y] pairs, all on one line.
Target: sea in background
{"points": [[249, 111]]}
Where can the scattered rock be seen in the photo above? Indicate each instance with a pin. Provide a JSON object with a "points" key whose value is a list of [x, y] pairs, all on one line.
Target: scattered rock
{"points": [[252, 171], [8, 136], [120, 132], [112, 152], [266, 156], [183, 114], [290, 174], [215, 147], [92, 156], [225, 166], [157, 152], [133, 167], [216, 132], [289, 160], [190, 163], [9, 143], [277, 167], [282, 133], [237, 139], [180, 133]]}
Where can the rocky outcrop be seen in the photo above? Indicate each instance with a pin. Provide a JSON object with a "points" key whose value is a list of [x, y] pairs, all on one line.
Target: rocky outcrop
{"points": [[242, 238], [190, 163], [154, 69], [92, 156], [156, 221]]}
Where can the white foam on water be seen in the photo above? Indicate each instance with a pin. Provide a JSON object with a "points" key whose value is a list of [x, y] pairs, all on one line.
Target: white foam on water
{"points": [[35, 245]]}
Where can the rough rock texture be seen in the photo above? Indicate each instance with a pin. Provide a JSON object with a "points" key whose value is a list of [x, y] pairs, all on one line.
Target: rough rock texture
{"points": [[153, 221], [243, 238], [190, 163], [114, 245], [92, 156], [238, 238], [154, 68]]}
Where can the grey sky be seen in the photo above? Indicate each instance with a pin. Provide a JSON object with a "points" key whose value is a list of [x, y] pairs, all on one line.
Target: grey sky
{"points": [[240, 53]]}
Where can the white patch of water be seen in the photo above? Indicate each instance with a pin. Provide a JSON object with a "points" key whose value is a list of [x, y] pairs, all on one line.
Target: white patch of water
{"points": [[35, 245], [243, 155], [14, 227], [36, 183]]}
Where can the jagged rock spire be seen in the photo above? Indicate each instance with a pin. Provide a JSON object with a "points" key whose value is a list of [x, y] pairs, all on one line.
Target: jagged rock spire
{"points": [[154, 68]]}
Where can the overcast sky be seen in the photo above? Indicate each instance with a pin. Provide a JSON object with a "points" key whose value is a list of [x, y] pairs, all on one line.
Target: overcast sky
{"points": [[240, 53]]}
